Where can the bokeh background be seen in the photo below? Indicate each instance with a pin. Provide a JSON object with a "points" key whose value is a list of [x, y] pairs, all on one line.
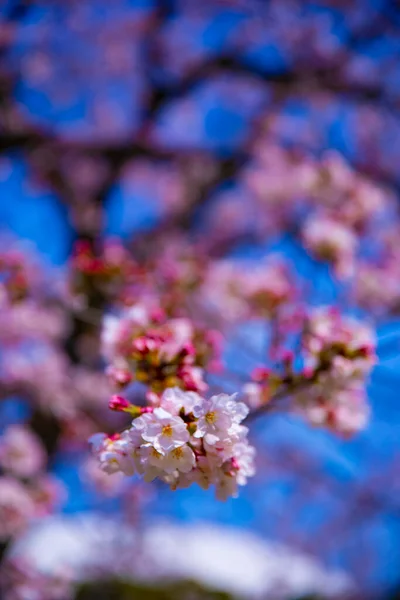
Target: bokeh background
{"points": [[115, 115]]}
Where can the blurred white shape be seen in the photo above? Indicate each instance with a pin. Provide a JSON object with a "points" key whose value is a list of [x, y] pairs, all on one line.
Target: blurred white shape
{"points": [[228, 559]]}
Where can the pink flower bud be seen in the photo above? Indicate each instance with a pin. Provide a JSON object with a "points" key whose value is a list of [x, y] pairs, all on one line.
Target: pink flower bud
{"points": [[260, 374], [118, 403], [235, 464], [152, 345], [308, 372], [140, 344], [366, 351], [287, 356], [157, 315], [189, 349], [190, 385], [119, 376]]}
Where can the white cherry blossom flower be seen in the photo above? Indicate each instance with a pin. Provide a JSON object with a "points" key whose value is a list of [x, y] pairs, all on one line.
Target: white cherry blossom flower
{"points": [[174, 400], [218, 414], [114, 453], [244, 458], [164, 431], [152, 462], [180, 459], [226, 487]]}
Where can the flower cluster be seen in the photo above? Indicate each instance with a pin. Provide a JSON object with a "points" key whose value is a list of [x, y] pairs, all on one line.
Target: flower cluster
{"points": [[23, 501], [330, 240], [21, 452], [144, 345], [111, 269], [185, 439], [16, 508], [16, 278], [377, 286], [326, 381], [26, 490], [339, 355], [329, 206], [113, 261]]}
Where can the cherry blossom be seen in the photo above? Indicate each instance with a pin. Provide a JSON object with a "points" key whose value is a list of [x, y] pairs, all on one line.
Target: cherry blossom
{"points": [[21, 452], [217, 416], [340, 351], [148, 347], [331, 240], [114, 453], [203, 441], [17, 508], [162, 430]]}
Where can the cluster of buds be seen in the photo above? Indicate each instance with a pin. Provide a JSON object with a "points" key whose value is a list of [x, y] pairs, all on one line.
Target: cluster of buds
{"points": [[112, 268], [339, 356], [174, 275], [143, 345], [329, 389], [185, 439]]}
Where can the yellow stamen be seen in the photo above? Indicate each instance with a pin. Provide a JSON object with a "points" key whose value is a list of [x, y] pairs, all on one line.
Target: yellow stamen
{"points": [[178, 453], [155, 454], [211, 417], [167, 430]]}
